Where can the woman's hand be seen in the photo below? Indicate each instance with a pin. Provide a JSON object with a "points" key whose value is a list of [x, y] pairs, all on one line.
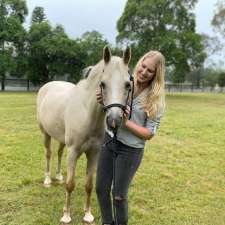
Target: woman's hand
{"points": [[99, 96], [126, 114]]}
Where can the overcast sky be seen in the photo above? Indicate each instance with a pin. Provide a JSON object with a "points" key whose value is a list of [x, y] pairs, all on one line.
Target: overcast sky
{"points": [[80, 16]]}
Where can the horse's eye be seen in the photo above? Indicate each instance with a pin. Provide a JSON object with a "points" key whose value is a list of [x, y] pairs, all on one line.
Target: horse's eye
{"points": [[102, 85], [127, 85]]}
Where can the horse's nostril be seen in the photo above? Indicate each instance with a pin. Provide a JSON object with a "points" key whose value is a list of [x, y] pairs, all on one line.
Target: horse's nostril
{"points": [[113, 123]]}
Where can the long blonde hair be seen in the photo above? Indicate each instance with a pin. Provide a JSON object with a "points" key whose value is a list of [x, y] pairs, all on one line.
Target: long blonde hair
{"points": [[153, 98]]}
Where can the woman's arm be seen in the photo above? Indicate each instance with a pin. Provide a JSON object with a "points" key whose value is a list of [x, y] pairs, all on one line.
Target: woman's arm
{"points": [[136, 129]]}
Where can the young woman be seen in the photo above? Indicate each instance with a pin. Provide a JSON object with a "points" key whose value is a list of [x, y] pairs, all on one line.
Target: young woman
{"points": [[148, 107]]}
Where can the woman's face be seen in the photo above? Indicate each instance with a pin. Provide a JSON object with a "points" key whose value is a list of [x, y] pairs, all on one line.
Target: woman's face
{"points": [[146, 71]]}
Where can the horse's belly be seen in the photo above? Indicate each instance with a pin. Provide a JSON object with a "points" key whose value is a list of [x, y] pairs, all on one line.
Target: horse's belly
{"points": [[55, 128], [51, 115]]}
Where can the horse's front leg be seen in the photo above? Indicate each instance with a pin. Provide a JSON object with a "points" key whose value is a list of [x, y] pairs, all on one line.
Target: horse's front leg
{"points": [[70, 182], [91, 164]]}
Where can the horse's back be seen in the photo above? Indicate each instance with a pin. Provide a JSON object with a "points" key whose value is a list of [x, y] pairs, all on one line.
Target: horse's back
{"points": [[54, 87], [51, 104]]}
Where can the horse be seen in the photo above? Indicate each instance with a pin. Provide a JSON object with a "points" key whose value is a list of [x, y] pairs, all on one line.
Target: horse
{"points": [[71, 115]]}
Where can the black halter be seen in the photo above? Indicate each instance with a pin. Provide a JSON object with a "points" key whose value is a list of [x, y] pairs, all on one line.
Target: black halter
{"points": [[123, 107]]}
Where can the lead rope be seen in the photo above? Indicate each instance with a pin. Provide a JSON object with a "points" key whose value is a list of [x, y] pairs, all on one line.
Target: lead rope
{"points": [[114, 180], [132, 95]]}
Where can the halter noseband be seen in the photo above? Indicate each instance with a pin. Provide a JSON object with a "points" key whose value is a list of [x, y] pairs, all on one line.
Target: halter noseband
{"points": [[123, 107]]}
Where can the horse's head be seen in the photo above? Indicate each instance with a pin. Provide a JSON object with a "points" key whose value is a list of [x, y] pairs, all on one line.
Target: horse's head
{"points": [[115, 86]]}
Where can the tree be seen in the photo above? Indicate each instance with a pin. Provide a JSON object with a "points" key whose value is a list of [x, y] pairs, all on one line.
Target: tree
{"points": [[92, 44], [195, 77], [12, 36], [38, 15], [51, 54], [211, 44], [218, 21], [221, 80], [168, 26], [65, 55], [210, 77], [37, 55]]}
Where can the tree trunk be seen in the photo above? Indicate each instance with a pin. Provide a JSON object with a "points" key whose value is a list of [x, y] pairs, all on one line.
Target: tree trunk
{"points": [[3, 84]]}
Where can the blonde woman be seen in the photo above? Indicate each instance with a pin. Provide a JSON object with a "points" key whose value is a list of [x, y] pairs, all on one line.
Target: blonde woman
{"points": [[148, 107]]}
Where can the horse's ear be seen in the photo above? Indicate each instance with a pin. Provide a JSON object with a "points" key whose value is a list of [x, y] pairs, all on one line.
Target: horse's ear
{"points": [[127, 55], [106, 54]]}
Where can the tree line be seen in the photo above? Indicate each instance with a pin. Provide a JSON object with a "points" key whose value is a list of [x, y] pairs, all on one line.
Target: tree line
{"points": [[44, 52]]}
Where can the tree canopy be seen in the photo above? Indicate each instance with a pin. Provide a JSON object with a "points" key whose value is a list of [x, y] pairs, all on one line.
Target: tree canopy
{"points": [[45, 52], [92, 43], [38, 15], [12, 36], [218, 21], [167, 26], [51, 53]]}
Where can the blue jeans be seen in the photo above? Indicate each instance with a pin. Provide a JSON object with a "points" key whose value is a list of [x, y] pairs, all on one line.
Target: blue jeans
{"points": [[127, 161]]}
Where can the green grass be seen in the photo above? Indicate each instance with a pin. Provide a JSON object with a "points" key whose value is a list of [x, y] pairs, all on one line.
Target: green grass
{"points": [[181, 180]]}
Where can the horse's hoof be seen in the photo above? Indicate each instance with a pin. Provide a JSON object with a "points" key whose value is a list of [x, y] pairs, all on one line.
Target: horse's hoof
{"points": [[88, 218], [66, 218], [47, 182], [47, 185], [59, 178]]}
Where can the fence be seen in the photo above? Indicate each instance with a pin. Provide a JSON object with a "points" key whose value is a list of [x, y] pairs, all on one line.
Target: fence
{"points": [[26, 85], [18, 85], [192, 88]]}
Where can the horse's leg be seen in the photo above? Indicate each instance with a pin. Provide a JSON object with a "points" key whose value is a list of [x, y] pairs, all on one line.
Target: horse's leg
{"points": [[59, 176], [47, 144], [91, 163], [70, 182]]}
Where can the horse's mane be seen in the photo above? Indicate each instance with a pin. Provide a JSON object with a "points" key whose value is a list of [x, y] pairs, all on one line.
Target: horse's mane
{"points": [[97, 69], [93, 75]]}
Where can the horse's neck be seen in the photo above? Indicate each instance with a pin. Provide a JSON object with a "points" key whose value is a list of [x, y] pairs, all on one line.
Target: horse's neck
{"points": [[91, 85]]}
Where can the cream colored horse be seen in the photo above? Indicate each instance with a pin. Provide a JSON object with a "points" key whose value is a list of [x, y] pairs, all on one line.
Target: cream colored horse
{"points": [[71, 115]]}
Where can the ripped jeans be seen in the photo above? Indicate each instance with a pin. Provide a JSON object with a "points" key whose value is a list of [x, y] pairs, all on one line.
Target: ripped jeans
{"points": [[127, 162]]}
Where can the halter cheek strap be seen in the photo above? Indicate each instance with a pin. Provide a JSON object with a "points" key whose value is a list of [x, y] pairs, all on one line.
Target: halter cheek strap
{"points": [[132, 94]]}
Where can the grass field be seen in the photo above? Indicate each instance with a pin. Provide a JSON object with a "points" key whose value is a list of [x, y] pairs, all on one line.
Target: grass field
{"points": [[181, 180]]}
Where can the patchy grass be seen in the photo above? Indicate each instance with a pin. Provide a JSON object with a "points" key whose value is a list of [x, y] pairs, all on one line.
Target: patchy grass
{"points": [[181, 180]]}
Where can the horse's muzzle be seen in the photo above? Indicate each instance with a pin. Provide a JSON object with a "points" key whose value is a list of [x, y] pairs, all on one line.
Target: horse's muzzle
{"points": [[113, 121]]}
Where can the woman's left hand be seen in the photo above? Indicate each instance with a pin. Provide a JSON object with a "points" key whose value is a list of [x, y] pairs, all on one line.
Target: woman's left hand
{"points": [[126, 114]]}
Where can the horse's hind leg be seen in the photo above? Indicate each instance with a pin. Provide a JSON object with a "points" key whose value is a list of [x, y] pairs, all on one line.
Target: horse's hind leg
{"points": [[47, 144], [91, 163], [59, 176]]}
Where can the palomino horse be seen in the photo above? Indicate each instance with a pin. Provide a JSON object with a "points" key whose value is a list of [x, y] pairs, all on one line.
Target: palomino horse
{"points": [[71, 115]]}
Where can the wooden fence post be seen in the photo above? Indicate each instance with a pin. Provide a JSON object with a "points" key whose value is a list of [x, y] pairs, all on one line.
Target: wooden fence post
{"points": [[3, 84], [28, 84]]}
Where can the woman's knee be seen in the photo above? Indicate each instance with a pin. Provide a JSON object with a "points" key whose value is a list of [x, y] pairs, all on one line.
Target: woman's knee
{"points": [[120, 199]]}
